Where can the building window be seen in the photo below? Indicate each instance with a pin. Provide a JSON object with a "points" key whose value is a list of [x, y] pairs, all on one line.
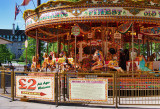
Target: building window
{"points": [[15, 38], [7, 37], [19, 38], [23, 38], [11, 38]]}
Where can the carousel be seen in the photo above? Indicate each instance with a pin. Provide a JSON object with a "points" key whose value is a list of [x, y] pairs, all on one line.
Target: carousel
{"points": [[97, 35]]}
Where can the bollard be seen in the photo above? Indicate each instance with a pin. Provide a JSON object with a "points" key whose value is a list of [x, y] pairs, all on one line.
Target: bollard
{"points": [[12, 83]]}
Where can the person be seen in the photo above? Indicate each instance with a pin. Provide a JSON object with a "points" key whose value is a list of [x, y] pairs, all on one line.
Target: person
{"points": [[122, 60], [152, 57], [29, 66]]}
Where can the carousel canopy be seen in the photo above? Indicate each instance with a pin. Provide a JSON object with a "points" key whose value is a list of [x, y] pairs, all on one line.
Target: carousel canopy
{"points": [[56, 18]]}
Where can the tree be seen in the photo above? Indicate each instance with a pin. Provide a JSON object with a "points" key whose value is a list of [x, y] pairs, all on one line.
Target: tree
{"points": [[31, 49], [5, 53]]}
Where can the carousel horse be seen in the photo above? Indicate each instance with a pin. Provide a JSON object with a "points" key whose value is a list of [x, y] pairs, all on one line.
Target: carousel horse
{"points": [[45, 62], [113, 64], [34, 62], [53, 58], [38, 62], [50, 63], [63, 61], [33, 66], [98, 57], [67, 63]]}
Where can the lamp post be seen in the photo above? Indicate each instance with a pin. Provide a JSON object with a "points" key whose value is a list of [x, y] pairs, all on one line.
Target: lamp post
{"points": [[26, 45]]}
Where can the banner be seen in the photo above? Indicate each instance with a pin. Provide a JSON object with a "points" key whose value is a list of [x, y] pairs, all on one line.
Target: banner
{"points": [[123, 28], [151, 31], [35, 87], [82, 89]]}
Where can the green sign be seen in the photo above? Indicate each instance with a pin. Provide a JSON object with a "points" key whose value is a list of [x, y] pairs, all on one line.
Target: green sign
{"points": [[75, 30]]}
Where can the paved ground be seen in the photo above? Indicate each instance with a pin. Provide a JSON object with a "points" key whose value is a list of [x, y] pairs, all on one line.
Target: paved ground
{"points": [[6, 103]]}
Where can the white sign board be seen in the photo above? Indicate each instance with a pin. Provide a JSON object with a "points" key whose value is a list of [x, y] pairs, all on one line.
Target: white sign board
{"points": [[117, 35], [81, 89], [140, 36], [35, 87]]}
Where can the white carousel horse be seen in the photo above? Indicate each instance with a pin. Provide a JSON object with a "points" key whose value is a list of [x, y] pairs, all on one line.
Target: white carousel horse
{"points": [[98, 56]]}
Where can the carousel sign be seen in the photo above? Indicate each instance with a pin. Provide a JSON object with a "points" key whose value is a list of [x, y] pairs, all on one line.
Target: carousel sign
{"points": [[92, 90], [92, 12], [150, 31], [104, 11], [35, 87], [75, 30], [117, 35]]}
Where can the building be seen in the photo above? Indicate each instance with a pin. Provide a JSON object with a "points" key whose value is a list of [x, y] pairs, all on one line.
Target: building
{"points": [[18, 38]]}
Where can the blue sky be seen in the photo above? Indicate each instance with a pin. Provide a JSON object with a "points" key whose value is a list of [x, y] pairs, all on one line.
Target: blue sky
{"points": [[7, 13]]}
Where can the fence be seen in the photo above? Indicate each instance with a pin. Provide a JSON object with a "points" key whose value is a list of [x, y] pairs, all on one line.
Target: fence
{"points": [[142, 88], [103, 88], [71, 90]]}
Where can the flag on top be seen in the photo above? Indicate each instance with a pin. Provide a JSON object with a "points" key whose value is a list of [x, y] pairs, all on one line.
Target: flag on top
{"points": [[25, 2], [16, 10]]}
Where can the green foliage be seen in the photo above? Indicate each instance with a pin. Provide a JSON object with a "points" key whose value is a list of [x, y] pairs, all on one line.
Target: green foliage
{"points": [[53, 47], [5, 53], [143, 48], [31, 49]]}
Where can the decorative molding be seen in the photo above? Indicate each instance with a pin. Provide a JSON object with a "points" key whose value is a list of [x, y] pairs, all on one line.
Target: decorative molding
{"points": [[134, 11]]}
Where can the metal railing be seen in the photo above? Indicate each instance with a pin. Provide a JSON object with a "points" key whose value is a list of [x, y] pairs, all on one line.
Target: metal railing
{"points": [[129, 88], [140, 88]]}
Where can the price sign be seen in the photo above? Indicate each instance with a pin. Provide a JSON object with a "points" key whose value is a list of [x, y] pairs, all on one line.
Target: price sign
{"points": [[75, 30], [35, 87]]}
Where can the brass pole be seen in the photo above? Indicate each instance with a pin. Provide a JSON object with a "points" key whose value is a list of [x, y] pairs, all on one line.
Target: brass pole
{"points": [[151, 48], [12, 83], [36, 49], [75, 51], [132, 48], [143, 45], [26, 60], [47, 48], [90, 55], [64, 89], [139, 51], [3, 81], [116, 89]]}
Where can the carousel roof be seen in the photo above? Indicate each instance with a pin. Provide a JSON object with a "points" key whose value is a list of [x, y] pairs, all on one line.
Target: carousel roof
{"points": [[56, 17]]}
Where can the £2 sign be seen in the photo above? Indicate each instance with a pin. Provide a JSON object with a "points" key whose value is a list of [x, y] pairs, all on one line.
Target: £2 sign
{"points": [[35, 87]]}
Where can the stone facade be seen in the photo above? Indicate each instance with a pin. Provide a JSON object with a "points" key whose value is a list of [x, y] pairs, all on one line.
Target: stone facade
{"points": [[18, 38]]}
